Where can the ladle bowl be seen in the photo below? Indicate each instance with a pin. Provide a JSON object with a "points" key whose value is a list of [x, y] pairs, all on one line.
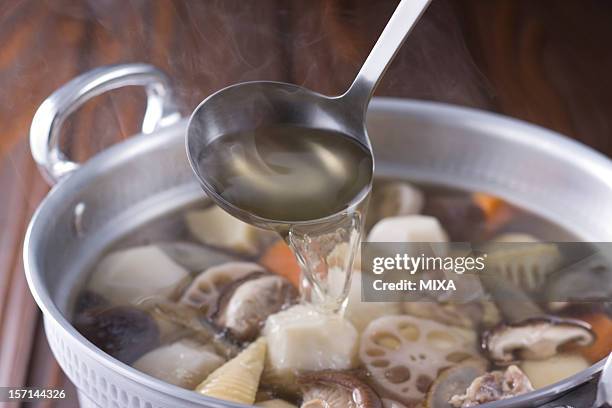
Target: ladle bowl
{"points": [[262, 104], [251, 105]]}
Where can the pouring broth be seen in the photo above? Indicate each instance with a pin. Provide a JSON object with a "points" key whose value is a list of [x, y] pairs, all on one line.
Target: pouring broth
{"points": [[206, 302]]}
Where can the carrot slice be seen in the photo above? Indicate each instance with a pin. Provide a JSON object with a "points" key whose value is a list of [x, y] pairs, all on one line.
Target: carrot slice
{"points": [[279, 259], [489, 204], [602, 327]]}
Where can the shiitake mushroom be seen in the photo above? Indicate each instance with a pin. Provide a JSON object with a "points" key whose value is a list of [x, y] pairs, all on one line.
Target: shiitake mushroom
{"points": [[123, 332], [336, 389]]}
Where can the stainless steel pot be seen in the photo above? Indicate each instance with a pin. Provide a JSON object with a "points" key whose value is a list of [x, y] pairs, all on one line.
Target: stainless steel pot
{"points": [[94, 204]]}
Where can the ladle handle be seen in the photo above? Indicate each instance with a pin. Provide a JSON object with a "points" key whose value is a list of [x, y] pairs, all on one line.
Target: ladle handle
{"points": [[399, 26]]}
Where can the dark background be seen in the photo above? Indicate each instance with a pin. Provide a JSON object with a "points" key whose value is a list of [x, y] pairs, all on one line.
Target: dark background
{"points": [[547, 61]]}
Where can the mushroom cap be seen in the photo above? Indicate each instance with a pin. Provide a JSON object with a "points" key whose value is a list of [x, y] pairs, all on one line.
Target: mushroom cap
{"points": [[336, 389], [535, 338], [454, 380], [243, 309], [207, 287]]}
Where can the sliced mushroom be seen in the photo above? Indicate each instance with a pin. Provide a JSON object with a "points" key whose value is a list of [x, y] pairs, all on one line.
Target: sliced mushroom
{"points": [[493, 386], [195, 258], [244, 310], [123, 332], [529, 333], [336, 389], [404, 354], [190, 319], [204, 291], [535, 339], [453, 381], [87, 300]]}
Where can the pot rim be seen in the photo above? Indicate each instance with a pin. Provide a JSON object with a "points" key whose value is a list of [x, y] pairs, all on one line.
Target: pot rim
{"points": [[515, 129]]}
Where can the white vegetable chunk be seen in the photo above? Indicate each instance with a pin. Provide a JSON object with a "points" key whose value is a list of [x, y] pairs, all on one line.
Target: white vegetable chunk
{"points": [[409, 228], [304, 338], [238, 379], [394, 199], [137, 274], [545, 372], [215, 227], [183, 363]]}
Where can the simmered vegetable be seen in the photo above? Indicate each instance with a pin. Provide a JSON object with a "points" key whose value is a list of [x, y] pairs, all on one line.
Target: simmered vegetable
{"points": [[238, 379], [215, 227], [303, 338], [136, 275], [279, 258], [404, 354], [184, 363], [215, 308], [409, 228], [522, 260], [195, 258], [545, 372], [204, 291]]}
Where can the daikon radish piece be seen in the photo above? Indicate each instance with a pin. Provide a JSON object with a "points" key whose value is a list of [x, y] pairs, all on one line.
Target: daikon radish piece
{"points": [[135, 275], [183, 363], [215, 227], [409, 228], [545, 372], [303, 338]]}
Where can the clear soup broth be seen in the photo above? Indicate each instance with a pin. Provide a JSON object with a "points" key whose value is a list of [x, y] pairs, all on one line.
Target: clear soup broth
{"points": [[203, 301]]}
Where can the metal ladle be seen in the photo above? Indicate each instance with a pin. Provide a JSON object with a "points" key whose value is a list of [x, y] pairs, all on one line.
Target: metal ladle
{"points": [[250, 105]]}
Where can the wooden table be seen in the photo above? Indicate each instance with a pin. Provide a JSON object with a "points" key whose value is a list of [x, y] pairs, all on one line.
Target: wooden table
{"points": [[547, 62]]}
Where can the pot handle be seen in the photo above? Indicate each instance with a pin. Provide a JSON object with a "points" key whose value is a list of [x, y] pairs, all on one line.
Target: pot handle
{"points": [[47, 122]]}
